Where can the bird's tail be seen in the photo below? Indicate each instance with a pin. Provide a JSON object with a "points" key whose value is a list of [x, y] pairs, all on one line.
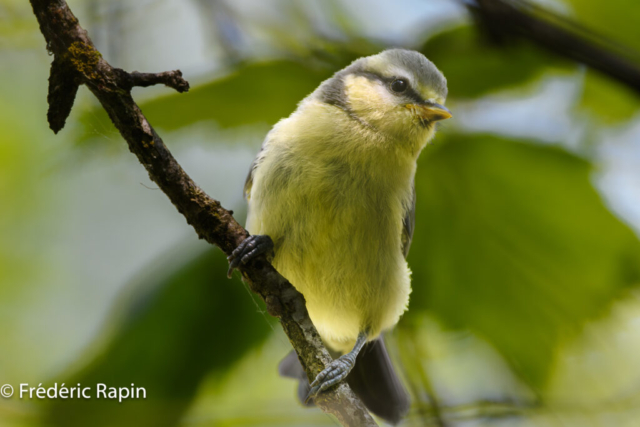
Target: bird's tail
{"points": [[373, 379]]}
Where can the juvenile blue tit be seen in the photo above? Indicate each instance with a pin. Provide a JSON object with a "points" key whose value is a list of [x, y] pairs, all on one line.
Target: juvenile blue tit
{"points": [[331, 194]]}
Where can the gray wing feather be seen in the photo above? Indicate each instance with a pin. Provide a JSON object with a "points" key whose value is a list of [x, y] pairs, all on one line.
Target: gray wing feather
{"points": [[249, 181], [408, 223]]}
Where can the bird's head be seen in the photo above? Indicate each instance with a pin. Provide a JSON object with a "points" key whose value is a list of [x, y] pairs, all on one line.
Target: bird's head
{"points": [[397, 92]]}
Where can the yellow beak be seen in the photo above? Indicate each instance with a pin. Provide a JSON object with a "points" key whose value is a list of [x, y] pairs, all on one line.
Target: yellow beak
{"points": [[431, 112]]}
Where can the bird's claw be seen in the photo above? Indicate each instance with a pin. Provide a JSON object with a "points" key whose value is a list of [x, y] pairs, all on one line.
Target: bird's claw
{"points": [[331, 375], [247, 250]]}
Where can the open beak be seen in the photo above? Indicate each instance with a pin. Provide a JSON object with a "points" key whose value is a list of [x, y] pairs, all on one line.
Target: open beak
{"points": [[431, 111]]}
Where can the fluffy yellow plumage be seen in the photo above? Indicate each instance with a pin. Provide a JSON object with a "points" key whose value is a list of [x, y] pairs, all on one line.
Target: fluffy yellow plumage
{"points": [[334, 209], [333, 189]]}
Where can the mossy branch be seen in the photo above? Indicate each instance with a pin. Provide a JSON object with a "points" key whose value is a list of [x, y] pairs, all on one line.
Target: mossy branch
{"points": [[77, 62]]}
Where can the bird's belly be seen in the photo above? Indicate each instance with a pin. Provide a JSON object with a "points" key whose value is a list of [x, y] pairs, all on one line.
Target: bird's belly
{"points": [[344, 255]]}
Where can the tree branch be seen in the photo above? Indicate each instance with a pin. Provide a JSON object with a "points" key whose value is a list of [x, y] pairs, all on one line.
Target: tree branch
{"points": [[502, 19], [78, 62], [172, 79]]}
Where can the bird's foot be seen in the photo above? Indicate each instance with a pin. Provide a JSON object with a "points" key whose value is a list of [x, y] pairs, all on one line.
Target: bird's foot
{"points": [[247, 250], [332, 374]]}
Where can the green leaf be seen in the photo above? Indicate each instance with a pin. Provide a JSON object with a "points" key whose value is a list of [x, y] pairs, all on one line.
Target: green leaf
{"points": [[181, 327], [256, 93], [608, 100], [474, 67], [513, 243]]}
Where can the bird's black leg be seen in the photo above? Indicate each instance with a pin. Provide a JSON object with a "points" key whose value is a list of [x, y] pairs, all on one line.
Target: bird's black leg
{"points": [[248, 249], [338, 369]]}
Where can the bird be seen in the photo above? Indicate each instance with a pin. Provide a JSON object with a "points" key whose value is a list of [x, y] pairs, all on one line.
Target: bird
{"points": [[332, 203]]}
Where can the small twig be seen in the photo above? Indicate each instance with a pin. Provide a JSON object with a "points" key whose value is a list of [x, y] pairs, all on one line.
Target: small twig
{"points": [[172, 79], [147, 187], [77, 59]]}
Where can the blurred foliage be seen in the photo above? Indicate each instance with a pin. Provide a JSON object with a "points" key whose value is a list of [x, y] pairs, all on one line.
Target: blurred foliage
{"points": [[608, 100], [14, 177], [22, 199], [254, 93], [513, 242], [265, 92], [475, 67], [613, 19], [182, 325]]}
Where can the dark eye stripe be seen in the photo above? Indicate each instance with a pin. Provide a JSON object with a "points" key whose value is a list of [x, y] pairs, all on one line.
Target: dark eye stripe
{"points": [[414, 96], [409, 93]]}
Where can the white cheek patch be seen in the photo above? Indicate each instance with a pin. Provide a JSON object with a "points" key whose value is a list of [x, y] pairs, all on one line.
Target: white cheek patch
{"points": [[372, 102], [367, 98]]}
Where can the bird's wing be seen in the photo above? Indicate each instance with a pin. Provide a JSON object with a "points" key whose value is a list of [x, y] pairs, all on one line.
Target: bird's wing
{"points": [[408, 222], [248, 183]]}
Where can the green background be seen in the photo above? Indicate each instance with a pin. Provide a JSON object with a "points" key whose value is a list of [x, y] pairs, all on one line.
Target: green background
{"points": [[525, 257]]}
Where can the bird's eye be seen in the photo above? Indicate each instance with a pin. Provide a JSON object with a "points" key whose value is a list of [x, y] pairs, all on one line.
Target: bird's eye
{"points": [[399, 85]]}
